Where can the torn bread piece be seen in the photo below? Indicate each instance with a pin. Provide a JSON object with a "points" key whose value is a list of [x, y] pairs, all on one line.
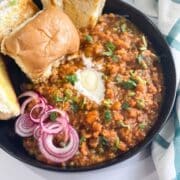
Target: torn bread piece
{"points": [[83, 13], [47, 3], [9, 106], [13, 13], [40, 43]]}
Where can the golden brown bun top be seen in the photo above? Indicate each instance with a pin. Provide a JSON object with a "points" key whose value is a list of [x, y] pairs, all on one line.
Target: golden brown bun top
{"points": [[13, 13], [45, 38]]}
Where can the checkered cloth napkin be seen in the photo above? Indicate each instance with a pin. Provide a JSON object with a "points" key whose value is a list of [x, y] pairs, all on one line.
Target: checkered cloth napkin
{"points": [[166, 147]]}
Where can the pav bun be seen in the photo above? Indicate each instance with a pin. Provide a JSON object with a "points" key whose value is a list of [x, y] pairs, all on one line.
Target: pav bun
{"points": [[41, 42]]}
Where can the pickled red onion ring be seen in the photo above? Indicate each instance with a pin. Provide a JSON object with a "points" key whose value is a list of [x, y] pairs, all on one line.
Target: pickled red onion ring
{"points": [[30, 94], [37, 132], [43, 108], [24, 126], [59, 154], [44, 130], [62, 120]]}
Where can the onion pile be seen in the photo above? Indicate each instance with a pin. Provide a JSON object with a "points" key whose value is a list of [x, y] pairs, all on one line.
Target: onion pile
{"points": [[45, 130]]}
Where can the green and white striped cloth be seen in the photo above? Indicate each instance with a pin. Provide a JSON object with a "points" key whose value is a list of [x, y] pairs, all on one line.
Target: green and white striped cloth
{"points": [[166, 148]]}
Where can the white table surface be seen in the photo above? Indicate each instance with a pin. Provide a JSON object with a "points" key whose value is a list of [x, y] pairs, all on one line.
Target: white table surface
{"points": [[140, 167]]}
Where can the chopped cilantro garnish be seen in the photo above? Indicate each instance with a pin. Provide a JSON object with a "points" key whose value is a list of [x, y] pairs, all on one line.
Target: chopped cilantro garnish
{"points": [[140, 80], [117, 143], [143, 48], [122, 124], [144, 41], [140, 104], [74, 106], [83, 103], [108, 53], [129, 84], [118, 79], [142, 125], [89, 38], [58, 99], [110, 48], [140, 60], [115, 58], [123, 27], [107, 115], [68, 93], [53, 116], [125, 106], [107, 102], [75, 99], [131, 93], [72, 78], [82, 139], [103, 141]]}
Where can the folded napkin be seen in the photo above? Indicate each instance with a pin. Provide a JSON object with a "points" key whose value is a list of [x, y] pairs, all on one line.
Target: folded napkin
{"points": [[166, 147]]}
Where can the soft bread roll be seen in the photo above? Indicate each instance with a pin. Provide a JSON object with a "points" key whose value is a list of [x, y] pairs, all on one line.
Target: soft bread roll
{"points": [[83, 12], [40, 42], [47, 3], [13, 13], [9, 106]]}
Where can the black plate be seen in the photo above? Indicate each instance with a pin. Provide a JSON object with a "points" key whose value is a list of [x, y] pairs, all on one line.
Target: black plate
{"points": [[12, 144]]}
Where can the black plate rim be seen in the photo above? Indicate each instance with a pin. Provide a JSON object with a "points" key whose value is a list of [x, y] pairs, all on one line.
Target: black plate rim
{"points": [[133, 151]]}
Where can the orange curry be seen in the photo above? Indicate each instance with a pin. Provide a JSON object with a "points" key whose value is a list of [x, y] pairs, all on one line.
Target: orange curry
{"points": [[133, 92]]}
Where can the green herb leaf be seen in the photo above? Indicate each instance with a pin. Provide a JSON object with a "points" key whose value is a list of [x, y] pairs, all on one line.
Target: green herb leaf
{"points": [[74, 106], [115, 58], [125, 106], [89, 38], [118, 79], [115, 29], [75, 99], [131, 93], [58, 99], [82, 139], [121, 123], [107, 102], [117, 143], [110, 48], [103, 141], [83, 103], [129, 84], [144, 65], [108, 53], [53, 116], [140, 104], [107, 115], [72, 78], [140, 60], [143, 48], [123, 27], [132, 73], [140, 80], [142, 125], [68, 93], [144, 41]]}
